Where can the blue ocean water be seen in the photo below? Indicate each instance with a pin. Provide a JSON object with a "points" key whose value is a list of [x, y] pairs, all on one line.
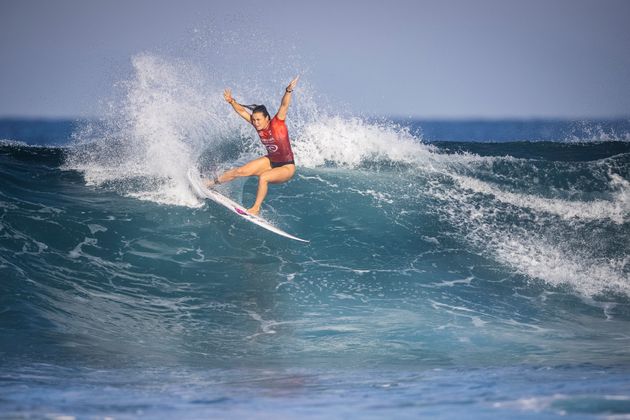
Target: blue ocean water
{"points": [[455, 269]]}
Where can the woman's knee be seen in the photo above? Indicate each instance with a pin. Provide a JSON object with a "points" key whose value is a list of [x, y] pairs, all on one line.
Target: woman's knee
{"points": [[240, 172], [264, 177]]}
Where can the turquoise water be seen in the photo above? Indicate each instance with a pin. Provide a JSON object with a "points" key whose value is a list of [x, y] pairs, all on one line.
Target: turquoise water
{"points": [[475, 284]]}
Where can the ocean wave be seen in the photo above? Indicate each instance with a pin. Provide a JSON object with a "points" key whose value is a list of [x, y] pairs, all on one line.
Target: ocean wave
{"points": [[507, 202]]}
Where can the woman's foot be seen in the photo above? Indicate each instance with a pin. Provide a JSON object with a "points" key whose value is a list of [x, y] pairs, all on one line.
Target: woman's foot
{"points": [[211, 183], [254, 211]]}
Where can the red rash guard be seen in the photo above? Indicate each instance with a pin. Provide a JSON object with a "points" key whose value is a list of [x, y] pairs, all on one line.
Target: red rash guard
{"points": [[276, 139]]}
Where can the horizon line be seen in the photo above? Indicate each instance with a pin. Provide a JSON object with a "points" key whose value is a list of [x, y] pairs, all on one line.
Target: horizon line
{"points": [[45, 118]]}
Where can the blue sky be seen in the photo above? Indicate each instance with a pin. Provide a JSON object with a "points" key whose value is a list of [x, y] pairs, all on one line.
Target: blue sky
{"points": [[426, 59]]}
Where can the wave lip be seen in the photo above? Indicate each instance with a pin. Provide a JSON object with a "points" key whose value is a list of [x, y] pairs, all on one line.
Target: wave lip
{"points": [[351, 142]]}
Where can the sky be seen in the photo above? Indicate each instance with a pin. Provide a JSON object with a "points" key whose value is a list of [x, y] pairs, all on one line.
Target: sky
{"points": [[448, 59]]}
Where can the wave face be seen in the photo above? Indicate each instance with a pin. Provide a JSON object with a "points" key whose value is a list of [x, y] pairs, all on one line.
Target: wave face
{"points": [[458, 256]]}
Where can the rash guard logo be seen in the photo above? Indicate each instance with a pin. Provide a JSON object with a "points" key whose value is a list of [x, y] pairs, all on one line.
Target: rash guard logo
{"points": [[272, 148]]}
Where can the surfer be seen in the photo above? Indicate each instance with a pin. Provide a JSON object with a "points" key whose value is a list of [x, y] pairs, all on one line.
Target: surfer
{"points": [[278, 165]]}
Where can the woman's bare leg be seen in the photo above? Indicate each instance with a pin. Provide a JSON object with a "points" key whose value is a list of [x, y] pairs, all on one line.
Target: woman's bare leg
{"points": [[255, 167], [272, 176]]}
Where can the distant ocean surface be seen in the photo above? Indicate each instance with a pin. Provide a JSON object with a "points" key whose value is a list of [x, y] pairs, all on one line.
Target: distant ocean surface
{"points": [[456, 269], [59, 132]]}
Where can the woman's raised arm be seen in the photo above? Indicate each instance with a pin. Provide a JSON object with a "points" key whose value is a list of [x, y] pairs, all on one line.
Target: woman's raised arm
{"points": [[286, 99], [240, 110]]}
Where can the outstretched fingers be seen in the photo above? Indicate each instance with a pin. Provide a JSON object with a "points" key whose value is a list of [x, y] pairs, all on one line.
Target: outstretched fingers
{"points": [[227, 95], [293, 83]]}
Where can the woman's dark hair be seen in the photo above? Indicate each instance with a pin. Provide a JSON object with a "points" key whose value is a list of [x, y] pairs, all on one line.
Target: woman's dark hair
{"points": [[258, 108]]}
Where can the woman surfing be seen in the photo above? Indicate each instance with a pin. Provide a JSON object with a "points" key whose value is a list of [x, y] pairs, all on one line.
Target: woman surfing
{"points": [[278, 165]]}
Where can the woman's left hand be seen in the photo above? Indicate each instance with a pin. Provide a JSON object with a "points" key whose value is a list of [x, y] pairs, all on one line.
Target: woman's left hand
{"points": [[292, 84]]}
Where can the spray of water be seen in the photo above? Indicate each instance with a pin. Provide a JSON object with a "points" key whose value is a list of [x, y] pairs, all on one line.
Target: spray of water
{"points": [[148, 139]]}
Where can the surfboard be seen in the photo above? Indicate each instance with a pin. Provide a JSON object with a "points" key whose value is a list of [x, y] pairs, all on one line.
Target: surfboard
{"points": [[202, 191]]}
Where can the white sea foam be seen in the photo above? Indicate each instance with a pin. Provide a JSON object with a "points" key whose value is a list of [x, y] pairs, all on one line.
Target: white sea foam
{"points": [[538, 258], [616, 210], [95, 228], [589, 132], [550, 254]]}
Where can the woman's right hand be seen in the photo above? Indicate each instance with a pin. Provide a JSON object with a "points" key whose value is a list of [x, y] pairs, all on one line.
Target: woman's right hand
{"points": [[227, 94]]}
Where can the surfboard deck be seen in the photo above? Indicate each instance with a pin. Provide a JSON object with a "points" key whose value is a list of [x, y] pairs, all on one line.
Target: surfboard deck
{"points": [[201, 191]]}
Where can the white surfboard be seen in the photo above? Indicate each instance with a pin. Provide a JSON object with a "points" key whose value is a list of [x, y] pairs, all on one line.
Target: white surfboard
{"points": [[204, 192]]}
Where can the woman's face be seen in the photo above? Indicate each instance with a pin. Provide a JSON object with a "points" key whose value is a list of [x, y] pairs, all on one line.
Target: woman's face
{"points": [[259, 121]]}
